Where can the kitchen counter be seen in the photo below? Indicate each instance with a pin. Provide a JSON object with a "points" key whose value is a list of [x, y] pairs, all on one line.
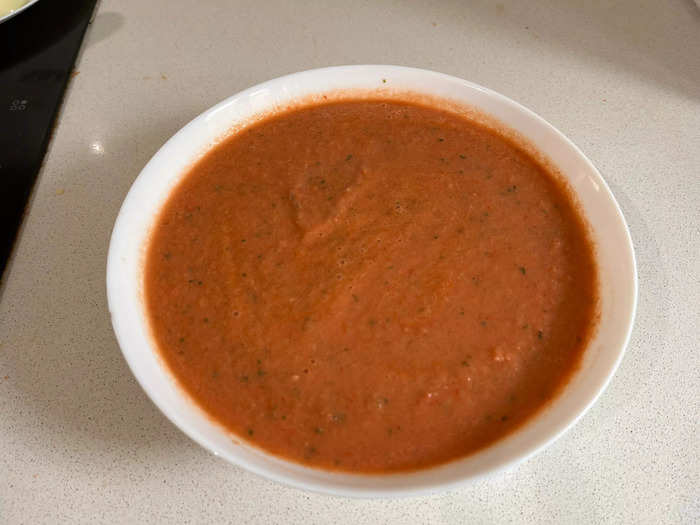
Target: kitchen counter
{"points": [[81, 442]]}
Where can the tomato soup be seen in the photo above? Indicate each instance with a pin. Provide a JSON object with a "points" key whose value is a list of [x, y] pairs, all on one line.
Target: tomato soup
{"points": [[370, 285]]}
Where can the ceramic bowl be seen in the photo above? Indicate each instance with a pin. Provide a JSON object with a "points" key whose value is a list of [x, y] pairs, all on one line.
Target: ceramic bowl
{"points": [[618, 278]]}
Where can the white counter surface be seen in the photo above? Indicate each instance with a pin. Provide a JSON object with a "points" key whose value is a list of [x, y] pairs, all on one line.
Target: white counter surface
{"points": [[81, 443]]}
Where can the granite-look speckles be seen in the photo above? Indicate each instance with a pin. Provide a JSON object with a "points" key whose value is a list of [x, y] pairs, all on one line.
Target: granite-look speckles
{"points": [[81, 443]]}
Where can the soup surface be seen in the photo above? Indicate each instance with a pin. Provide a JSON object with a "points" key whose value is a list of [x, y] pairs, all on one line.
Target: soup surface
{"points": [[370, 285]]}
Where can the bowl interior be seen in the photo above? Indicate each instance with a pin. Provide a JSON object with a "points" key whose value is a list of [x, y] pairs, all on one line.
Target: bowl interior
{"points": [[149, 191]]}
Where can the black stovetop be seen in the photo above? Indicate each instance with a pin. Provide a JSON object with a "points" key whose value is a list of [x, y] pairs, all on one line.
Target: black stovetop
{"points": [[37, 50]]}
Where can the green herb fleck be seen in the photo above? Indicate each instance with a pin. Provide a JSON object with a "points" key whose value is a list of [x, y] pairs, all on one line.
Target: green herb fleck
{"points": [[540, 335], [348, 157], [522, 270], [250, 432], [462, 156]]}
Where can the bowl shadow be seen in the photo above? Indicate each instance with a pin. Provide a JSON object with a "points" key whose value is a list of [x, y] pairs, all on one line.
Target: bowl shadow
{"points": [[68, 379]]}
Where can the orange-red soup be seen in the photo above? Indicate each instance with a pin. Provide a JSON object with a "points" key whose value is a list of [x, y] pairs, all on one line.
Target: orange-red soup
{"points": [[370, 285]]}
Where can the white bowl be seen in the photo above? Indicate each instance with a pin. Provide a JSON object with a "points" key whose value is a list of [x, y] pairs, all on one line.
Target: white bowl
{"points": [[618, 277]]}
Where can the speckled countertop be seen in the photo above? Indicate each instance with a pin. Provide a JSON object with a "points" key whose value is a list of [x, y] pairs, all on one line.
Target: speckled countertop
{"points": [[80, 441]]}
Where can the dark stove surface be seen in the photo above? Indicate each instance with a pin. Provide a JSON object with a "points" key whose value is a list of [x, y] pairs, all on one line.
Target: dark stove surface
{"points": [[37, 50]]}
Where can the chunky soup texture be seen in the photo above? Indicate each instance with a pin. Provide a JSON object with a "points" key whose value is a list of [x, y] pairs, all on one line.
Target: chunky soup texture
{"points": [[370, 285]]}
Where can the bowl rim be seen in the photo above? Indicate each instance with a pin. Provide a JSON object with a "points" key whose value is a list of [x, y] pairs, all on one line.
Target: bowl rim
{"points": [[340, 489], [15, 12]]}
